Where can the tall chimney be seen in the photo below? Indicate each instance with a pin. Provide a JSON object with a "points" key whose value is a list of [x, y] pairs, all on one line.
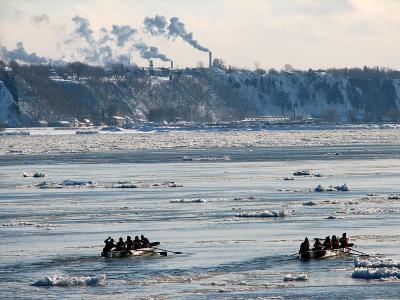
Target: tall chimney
{"points": [[151, 64], [210, 59], [172, 64]]}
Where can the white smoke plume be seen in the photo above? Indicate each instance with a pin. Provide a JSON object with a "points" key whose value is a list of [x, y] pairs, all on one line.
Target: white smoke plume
{"points": [[158, 25], [20, 54], [148, 52], [123, 34]]}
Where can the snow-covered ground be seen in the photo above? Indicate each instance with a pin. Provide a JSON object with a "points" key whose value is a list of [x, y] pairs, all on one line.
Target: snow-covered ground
{"points": [[62, 141]]}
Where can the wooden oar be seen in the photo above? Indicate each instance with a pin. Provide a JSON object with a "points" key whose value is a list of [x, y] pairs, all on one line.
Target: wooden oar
{"points": [[365, 254], [175, 252]]}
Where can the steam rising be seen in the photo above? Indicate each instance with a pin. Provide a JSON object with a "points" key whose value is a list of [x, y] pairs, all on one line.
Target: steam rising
{"points": [[113, 45], [147, 52], [177, 29], [19, 54], [158, 26], [83, 29], [123, 34]]}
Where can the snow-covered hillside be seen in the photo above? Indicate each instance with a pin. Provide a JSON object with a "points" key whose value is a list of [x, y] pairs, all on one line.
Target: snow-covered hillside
{"points": [[201, 95], [9, 112]]}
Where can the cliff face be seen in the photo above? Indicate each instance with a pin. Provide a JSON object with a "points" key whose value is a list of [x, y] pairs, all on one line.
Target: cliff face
{"points": [[28, 94]]}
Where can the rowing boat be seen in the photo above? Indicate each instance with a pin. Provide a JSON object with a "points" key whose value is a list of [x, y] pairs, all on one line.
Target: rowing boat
{"points": [[322, 254], [133, 253]]}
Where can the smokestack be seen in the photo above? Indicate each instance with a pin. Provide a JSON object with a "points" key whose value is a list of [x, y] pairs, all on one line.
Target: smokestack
{"points": [[172, 64], [210, 59], [151, 64]]}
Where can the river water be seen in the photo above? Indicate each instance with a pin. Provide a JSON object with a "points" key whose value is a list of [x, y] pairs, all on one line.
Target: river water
{"points": [[59, 232]]}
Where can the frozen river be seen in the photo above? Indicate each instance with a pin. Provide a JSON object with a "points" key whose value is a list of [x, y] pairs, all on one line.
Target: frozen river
{"points": [[60, 232]]}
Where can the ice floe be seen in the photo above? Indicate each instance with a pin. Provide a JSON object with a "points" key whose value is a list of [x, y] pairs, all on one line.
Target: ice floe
{"points": [[376, 262], [394, 196], [294, 277], [46, 141], [56, 280], [331, 188], [376, 273], [86, 132], [309, 203], [66, 183], [188, 201], [190, 158], [368, 211], [302, 173], [265, 214], [34, 175]]}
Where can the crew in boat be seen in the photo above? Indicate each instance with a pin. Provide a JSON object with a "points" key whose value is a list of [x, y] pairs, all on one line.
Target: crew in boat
{"points": [[120, 246], [335, 242], [344, 241], [327, 243], [144, 242], [129, 243], [136, 243], [109, 245], [305, 249], [318, 248]]}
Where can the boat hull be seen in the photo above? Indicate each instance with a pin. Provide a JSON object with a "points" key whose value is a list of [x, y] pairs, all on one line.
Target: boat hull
{"points": [[133, 253], [325, 254]]}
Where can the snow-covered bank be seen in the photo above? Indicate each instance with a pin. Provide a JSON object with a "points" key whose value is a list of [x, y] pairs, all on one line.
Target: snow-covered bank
{"points": [[133, 140]]}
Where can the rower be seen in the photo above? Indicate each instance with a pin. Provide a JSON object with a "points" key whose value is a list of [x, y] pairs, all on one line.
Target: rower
{"points": [[327, 243], [344, 241], [136, 243], [109, 245], [129, 243], [305, 249], [318, 248], [335, 242], [120, 246], [144, 242]]}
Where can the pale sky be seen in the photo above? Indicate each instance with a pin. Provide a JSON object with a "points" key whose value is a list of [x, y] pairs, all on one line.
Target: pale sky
{"points": [[304, 33]]}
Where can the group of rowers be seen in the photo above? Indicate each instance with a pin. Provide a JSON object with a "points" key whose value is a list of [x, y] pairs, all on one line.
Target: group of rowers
{"points": [[127, 246], [319, 249]]}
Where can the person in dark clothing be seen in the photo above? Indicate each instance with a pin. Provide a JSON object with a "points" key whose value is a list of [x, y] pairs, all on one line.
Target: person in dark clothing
{"points": [[144, 242], [305, 249], [120, 246], [109, 245], [344, 241], [129, 243], [136, 243], [335, 242], [327, 243], [318, 248]]}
